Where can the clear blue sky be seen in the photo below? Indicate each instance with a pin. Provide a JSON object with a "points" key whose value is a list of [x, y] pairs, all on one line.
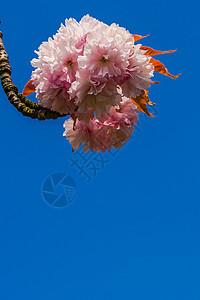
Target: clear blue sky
{"points": [[133, 232]]}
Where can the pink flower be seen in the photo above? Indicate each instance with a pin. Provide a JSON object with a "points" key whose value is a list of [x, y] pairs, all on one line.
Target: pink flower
{"points": [[110, 131], [109, 59], [56, 66], [96, 93], [138, 74], [84, 64], [106, 52], [78, 31], [90, 70], [56, 70]]}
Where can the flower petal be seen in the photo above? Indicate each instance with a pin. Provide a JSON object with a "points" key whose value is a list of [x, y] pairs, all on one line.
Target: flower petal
{"points": [[29, 88], [142, 101], [160, 68]]}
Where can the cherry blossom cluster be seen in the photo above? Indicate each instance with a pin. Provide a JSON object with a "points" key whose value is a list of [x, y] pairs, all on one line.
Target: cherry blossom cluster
{"points": [[90, 70], [100, 134]]}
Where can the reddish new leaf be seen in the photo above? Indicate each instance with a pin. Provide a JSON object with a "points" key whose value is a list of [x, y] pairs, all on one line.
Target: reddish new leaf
{"points": [[160, 68], [155, 82], [151, 52], [139, 37], [29, 88], [142, 101]]}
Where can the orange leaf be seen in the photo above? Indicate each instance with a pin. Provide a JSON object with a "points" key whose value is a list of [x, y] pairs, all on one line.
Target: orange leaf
{"points": [[142, 101], [29, 88], [139, 37], [160, 68], [152, 52], [155, 82]]}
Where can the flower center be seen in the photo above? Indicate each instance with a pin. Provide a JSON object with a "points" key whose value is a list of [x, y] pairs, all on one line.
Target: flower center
{"points": [[70, 63], [104, 59]]}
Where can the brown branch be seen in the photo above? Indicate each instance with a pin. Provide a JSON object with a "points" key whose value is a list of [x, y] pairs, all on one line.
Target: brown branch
{"points": [[25, 106]]}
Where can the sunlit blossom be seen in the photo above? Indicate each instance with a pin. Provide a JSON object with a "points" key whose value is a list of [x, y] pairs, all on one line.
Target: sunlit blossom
{"points": [[97, 74]]}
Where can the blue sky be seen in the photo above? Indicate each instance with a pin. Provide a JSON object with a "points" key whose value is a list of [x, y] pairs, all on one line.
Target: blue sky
{"points": [[133, 231]]}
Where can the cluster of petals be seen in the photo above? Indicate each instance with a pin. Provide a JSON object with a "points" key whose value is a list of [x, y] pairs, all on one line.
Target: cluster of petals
{"points": [[83, 65], [98, 75], [112, 130]]}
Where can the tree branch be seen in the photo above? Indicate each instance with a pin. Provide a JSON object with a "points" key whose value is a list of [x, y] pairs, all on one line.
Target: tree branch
{"points": [[22, 104]]}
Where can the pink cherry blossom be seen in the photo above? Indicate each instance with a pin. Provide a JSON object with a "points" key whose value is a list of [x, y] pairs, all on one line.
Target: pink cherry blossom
{"points": [[110, 131], [84, 63], [92, 71], [138, 75], [99, 94], [106, 53], [56, 68]]}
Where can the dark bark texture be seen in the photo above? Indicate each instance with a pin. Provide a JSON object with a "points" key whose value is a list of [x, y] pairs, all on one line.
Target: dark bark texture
{"points": [[22, 104]]}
